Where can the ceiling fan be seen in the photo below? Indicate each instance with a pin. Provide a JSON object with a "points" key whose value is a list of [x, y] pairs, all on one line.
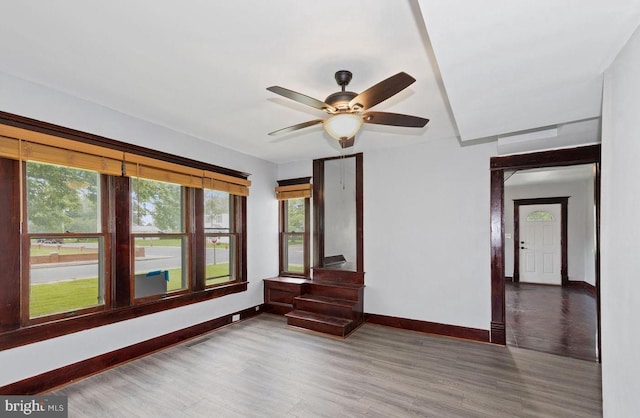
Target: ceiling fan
{"points": [[348, 110]]}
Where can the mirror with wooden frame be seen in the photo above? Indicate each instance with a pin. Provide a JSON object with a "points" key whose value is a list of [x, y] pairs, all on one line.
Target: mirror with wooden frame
{"points": [[337, 210]]}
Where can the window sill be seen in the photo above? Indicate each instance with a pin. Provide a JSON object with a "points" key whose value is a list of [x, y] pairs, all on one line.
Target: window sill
{"points": [[43, 331]]}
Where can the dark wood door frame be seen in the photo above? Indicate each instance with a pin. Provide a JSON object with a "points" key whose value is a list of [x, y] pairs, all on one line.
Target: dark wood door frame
{"points": [[563, 157], [564, 203]]}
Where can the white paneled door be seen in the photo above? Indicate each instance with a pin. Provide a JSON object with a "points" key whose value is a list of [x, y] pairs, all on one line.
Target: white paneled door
{"points": [[540, 245]]}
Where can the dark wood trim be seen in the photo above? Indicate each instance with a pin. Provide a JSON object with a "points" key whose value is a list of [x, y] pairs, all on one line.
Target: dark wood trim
{"points": [[63, 375], [107, 213], [10, 238], [554, 158], [122, 290], [564, 157], [62, 132], [282, 222], [241, 216], [291, 182], [456, 331], [25, 248], [318, 210], [563, 201], [596, 199], [39, 332], [307, 237], [360, 213], [198, 243], [497, 334]]}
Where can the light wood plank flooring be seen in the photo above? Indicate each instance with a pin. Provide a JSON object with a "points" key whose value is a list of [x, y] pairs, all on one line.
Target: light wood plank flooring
{"points": [[262, 368]]}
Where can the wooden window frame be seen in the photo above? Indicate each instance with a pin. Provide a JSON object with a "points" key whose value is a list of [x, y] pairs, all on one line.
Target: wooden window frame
{"points": [[26, 237], [118, 240], [284, 234], [236, 231]]}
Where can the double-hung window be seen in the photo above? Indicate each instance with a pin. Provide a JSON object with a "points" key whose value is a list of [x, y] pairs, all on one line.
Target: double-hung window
{"points": [[160, 239], [67, 264], [98, 231], [221, 238], [294, 196]]}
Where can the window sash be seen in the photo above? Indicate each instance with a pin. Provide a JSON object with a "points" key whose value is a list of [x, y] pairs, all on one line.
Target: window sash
{"points": [[151, 272], [232, 256], [43, 306]]}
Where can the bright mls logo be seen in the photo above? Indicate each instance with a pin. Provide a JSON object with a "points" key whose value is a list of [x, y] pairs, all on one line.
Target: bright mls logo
{"points": [[33, 406]]}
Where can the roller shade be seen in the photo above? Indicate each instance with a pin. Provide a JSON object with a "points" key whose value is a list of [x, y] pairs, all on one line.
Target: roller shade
{"points": [[24, 145], [224, 183], [152, 169], [293, 191]]}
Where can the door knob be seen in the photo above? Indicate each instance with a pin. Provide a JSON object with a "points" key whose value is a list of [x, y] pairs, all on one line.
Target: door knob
{"points": [[521, 242], [522, 248]]}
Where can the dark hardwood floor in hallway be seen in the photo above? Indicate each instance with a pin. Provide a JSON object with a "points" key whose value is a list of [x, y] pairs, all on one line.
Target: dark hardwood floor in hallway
{"points": [[552, 319]]}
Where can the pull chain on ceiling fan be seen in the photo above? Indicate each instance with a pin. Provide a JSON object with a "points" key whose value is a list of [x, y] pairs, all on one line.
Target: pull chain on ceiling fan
{"points": [[348, 110]]}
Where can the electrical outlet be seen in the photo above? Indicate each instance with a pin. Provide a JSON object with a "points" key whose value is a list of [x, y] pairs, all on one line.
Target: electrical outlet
{"points": [[235, 317]]}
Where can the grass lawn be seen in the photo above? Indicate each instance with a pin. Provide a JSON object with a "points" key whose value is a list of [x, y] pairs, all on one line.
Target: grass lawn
{"points": [[293, 268], [56, 297]]}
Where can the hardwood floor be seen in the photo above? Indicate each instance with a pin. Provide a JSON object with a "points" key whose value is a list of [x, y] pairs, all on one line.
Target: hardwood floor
{"points": [[553, 319], [262, 368]]}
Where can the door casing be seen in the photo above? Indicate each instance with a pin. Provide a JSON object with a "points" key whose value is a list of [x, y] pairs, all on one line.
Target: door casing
{"points": [[498, 165]]}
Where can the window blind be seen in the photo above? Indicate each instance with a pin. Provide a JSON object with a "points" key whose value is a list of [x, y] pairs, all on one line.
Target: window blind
{"points": [[25, 145], [293, 191], [224, 183]]}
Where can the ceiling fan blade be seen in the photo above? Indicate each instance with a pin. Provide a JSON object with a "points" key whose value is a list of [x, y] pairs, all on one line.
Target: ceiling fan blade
{"points": [[296, 127], [346, 143], [394, 119], [301, 98], [382, 91]]}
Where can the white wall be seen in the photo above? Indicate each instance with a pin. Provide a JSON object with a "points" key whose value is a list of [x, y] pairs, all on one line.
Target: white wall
{"points": [[30, 100], [295, 170], [620, 233], [426, 230], [580, 221]]}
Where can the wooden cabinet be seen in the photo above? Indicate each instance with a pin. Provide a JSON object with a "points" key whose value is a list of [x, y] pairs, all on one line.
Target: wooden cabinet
{"points": [[279, 293]]}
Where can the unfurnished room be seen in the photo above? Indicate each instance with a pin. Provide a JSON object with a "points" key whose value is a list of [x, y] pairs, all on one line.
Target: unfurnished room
{"points": [[380, 208]]}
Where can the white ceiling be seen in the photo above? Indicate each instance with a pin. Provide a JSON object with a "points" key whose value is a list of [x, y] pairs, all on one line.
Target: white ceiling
{"points": [[497, 67]]}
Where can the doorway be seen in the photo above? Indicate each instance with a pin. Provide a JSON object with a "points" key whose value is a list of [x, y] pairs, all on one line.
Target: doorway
{"points": [[500, 165]]}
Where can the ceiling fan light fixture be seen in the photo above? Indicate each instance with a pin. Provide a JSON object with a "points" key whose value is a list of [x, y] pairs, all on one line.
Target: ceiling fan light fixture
{"points": [[343, 125]]}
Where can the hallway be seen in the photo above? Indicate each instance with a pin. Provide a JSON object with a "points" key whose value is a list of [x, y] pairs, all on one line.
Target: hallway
{"points": [[552, 319]]}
